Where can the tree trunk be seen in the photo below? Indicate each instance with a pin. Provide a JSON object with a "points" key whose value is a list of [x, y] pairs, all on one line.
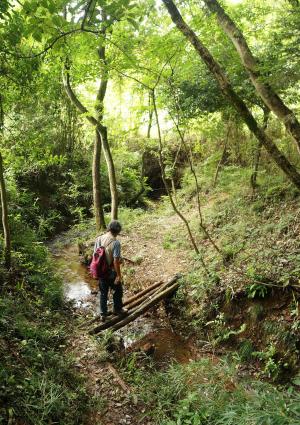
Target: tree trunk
{"points": [[252, 65], [98, 210], [164, 179], [5, 224], [103, 130], [111, 172], [253, 178], [150, 118], [226, 88]]}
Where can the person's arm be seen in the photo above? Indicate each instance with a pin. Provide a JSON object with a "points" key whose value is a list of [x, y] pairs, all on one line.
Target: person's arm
{"points": [[117, 261], [117, 267]]}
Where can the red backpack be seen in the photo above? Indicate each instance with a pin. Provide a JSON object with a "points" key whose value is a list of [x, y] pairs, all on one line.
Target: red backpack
{"points": [[99, 266]]}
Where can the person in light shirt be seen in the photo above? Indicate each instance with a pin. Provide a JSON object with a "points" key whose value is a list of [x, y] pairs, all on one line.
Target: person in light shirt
{"points": [[114, 278]]}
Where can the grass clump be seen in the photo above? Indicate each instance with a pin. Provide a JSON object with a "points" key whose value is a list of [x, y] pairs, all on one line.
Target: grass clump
{"points": [[210, 392]]}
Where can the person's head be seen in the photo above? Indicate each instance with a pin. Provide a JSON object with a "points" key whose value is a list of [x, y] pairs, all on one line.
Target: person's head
{"points": [[114, 227]]}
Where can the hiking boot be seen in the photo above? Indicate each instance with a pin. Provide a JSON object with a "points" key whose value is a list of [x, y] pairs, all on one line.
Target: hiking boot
{"points": [[103, 317], [121, 312]]}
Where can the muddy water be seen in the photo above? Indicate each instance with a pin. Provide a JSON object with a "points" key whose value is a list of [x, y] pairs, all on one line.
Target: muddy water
{"points": [[79, 286], [149, 333]]}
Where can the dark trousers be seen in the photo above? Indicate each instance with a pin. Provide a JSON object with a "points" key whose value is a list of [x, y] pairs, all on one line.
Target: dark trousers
{"points": [[104, 285]]}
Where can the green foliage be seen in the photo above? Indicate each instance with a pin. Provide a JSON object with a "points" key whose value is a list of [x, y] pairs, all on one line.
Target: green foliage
{"points": [[246, 351], [206, 392], [38, 381], [272, 367], [257, 290]]}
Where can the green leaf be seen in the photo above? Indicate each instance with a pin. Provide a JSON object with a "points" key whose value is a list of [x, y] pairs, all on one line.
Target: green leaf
{"points": [[37, 35], [133, 23], [296, 381]]}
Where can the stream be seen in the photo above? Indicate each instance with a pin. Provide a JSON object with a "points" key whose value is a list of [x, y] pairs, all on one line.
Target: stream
{"points": [[150, 333]]}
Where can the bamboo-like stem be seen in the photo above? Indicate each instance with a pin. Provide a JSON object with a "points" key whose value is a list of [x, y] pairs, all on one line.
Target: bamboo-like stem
{"points": [[143, 298]]}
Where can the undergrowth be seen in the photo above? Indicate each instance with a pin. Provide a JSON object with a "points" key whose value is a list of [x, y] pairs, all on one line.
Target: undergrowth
{"points": [[210, 392], [38, 381], [255, 279]]}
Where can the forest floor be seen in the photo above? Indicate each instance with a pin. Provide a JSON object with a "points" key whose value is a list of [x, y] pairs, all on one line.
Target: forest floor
{"points": [[230, 320]]}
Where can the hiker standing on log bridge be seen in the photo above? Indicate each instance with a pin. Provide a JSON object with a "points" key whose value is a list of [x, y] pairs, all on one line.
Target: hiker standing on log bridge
{"points": [[113, 278]]}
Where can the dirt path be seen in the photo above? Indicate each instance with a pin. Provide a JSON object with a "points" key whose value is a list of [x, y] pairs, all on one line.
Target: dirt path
{"points": [[114, 404], [149, 244]]}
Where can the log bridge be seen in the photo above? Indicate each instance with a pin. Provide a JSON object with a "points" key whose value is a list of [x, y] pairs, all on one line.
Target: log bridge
{"points": [[137, 305]]}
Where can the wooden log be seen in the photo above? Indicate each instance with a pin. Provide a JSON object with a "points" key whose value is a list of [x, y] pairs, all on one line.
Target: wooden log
{"points": [[130, 302], [117, 319], [143, 292], [161, 293], [141, 299], [145, 307]]}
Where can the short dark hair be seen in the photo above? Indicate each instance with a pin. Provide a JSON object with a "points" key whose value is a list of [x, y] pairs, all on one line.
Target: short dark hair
{"points": [[114, 227]]}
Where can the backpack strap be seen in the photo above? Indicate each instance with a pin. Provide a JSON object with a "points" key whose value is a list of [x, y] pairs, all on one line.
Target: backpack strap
{"points": [[105, 246]]}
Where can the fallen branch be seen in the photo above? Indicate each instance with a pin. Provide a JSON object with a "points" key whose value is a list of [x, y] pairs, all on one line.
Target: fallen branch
{"points": [[118, 378]]}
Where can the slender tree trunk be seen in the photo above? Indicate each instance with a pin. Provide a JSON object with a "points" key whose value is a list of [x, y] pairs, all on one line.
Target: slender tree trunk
{"points": [[150, 118], [174, 191], [111, 172], [4, 207], [103, 130], [252, 65], [226, 88], [253, 178], [163, 175], [98, 210], [197, 187], [223, 157], [5, 224], [98, 207]]}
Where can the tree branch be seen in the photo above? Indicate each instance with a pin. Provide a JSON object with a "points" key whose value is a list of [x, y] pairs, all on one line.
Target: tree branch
{"points": [[74, 99]]}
